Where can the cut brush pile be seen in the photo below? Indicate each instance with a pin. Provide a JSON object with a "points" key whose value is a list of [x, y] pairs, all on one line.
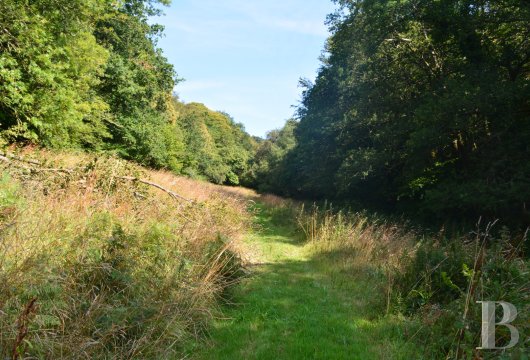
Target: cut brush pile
{"points": [[100, 258]]}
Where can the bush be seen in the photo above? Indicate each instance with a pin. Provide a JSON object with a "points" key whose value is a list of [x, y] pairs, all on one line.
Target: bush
{"points": [[440, 286]]}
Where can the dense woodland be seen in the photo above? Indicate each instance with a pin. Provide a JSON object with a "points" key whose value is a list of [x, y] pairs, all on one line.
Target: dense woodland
{"points": [[419, 106]]}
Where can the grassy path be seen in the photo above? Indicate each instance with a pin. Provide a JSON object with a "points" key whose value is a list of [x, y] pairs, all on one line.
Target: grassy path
{"points": [[291, 308]]}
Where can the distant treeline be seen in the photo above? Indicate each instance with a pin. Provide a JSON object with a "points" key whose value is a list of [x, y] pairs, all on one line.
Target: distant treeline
{"points": [[419, 106], [87, 74]]}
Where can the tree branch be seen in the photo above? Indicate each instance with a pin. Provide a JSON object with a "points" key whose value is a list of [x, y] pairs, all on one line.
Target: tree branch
{"points": [[169, 192], [7, 158]]}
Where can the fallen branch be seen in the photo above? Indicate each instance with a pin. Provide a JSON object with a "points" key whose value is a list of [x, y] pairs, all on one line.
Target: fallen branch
{"points": [[7, 158], [68, 171], [34, 169], [169, 192], [14, 157]]}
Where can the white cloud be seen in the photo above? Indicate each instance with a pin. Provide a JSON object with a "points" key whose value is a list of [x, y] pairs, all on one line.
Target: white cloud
{"points": [[244, 14]]}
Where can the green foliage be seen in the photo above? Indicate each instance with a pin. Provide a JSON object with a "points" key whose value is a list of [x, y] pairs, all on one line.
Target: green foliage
{"points": [[50, 64], [151, 142], [71, 70], [137, 76], [419, 106], [267, 171], [216, 147], [441, 284], [88, 74], [8, 192]]}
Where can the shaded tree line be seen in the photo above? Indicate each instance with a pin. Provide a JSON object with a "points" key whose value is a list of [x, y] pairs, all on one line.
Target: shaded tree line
{"points": [[267, 168], [421, 106]]}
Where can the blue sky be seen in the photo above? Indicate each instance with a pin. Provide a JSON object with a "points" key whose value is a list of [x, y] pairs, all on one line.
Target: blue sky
{"points": [[245, 56]]}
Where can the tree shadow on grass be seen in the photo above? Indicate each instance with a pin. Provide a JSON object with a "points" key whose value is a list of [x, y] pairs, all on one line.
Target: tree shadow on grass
{"points": [[291, 310], [292, 306]]}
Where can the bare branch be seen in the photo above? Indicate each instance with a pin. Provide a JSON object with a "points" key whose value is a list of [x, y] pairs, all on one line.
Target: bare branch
{"points": [[169, 192], [18, 158], [7, 158]]}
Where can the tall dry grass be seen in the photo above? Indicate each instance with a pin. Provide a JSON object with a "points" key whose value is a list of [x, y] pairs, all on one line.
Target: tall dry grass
{"points": [[96, 266], [433, 281], [358, 244]]}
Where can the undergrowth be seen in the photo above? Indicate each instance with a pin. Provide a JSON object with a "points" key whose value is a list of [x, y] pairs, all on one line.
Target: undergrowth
{"points": [[95, 266], [432, 283]]}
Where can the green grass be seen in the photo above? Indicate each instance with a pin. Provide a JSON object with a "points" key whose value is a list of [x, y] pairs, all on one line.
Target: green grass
{"points": [[295, 306]]}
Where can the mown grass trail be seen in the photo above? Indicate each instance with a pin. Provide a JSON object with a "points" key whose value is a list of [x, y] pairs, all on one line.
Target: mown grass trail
{"points": [[291, 308]]}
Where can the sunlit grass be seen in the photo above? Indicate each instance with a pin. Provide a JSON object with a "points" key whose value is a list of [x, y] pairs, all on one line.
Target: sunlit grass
{"points": [[293, 306]]}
